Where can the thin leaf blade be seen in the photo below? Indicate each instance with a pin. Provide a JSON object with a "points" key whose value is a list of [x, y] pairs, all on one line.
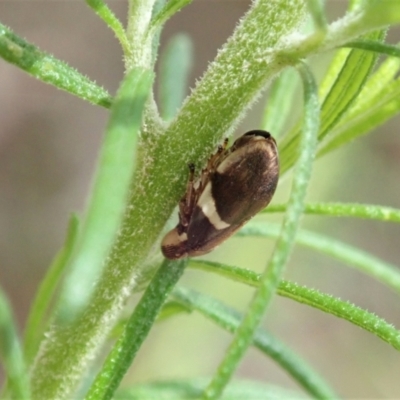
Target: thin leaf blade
{"points": [[48, 69]]}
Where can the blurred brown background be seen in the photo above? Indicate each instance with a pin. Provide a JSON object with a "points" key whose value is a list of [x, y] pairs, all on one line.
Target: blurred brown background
{"points": [[49, 141]]}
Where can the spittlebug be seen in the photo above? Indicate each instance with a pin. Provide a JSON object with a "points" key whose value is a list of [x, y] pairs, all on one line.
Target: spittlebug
{"points": [[236, 184]]}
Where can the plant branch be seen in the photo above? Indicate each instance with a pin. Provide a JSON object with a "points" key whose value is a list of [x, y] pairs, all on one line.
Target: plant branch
{"points": [[48, 69]]}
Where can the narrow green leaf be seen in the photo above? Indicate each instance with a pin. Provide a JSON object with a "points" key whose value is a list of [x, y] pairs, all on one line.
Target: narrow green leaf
{"points": [[271, 276], [11, 353], [378, 101], [48, 69], [348, 85], [344, 310], [377, 47], [240, 275], [136, 330], [362, 126], [36, 320], [341, 95], [97, 234], [176, 64], [334, 69], [104, 12], [229, 319], [366, 119], [191, 389], [367, 211], [279, 102], [376, 88], [384, 272], [338, 60], [110, 192], [313, 298], [169, 9], [325, 87]]}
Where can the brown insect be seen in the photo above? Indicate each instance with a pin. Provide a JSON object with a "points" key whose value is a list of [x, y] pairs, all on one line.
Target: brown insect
{"points": [[236, 184]]}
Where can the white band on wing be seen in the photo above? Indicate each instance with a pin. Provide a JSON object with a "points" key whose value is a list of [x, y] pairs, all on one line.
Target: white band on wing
{"points": [[207, 204]]}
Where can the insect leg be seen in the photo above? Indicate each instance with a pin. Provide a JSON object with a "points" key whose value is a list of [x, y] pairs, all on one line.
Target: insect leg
{"points": [[187, 202]]}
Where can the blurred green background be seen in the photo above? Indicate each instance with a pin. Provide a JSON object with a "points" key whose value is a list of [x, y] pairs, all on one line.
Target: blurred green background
{"points": [[49, 141]]}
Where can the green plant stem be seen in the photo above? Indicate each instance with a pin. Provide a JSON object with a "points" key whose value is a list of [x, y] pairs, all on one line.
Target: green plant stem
{"points": [[270, 278], [136, 330], [139, 19]]}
